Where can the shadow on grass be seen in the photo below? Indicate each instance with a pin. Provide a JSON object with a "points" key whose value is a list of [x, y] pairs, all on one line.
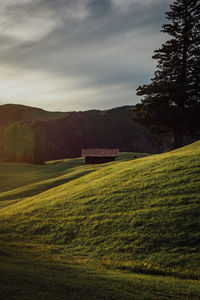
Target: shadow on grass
{"points": [[38, 188], [29, 279]]}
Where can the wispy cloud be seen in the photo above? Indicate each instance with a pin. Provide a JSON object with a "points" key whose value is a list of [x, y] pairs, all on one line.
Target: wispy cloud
{"points": [[23, 21]]}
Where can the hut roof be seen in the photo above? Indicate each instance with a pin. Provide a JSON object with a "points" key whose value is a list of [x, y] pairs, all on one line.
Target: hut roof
{"points": [[100, 152]]}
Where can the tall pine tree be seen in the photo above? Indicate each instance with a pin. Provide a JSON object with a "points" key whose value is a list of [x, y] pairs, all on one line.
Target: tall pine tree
{"points": [[171, 102]]}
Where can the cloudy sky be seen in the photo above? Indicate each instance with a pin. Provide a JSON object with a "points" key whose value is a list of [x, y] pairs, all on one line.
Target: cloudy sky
{"points": [[77, 54]]}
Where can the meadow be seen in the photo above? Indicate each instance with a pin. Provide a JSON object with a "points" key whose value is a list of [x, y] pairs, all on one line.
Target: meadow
{"points": [[129, 229]]}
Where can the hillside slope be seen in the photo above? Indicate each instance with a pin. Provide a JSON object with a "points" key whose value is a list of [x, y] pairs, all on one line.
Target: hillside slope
{"points": [[140, 215], [11, 113]]}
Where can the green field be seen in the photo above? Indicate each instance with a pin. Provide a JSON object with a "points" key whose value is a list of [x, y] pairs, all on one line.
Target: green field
{"points": [[123, 230]]}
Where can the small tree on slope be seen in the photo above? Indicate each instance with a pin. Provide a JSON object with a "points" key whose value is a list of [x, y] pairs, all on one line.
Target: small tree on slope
{"points": [[171, 101]]}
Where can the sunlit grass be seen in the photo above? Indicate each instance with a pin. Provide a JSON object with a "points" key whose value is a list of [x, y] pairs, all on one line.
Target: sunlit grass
{"points": [[138, 216]]}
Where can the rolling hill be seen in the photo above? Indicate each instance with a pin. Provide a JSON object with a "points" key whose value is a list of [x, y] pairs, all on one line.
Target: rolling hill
{"points": [[33, 135], [123, 230]]}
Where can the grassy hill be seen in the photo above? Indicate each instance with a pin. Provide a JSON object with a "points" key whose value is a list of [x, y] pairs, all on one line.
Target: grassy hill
{"points": [[123, 230]]}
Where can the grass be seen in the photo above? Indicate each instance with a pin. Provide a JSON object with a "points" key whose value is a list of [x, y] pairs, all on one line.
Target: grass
{"points": [[123, 230]]}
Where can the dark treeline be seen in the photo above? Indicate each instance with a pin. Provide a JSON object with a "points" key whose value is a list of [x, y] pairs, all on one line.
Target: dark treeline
{"points": [[36, 139]]}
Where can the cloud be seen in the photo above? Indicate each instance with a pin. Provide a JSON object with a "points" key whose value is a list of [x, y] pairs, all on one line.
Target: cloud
{"points": [[78, 53], [24, 21], [99, 8]]}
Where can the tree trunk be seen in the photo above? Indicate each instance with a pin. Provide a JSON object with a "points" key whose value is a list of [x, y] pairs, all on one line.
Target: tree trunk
{"points": [[177, 138]]}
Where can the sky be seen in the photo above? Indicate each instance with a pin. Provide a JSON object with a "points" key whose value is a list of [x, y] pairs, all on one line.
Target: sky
{"points": [[66, 55]]}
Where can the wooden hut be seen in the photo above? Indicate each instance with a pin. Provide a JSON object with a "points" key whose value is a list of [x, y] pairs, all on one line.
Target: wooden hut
{"points": [[99, 156]]}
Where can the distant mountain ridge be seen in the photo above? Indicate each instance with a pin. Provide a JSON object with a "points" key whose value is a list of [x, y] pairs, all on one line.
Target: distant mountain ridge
{"points": [[10, 113], [33, 135]]}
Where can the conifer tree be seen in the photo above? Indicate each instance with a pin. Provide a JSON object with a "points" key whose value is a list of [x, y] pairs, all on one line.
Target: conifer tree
{"points": [[171, 102]]}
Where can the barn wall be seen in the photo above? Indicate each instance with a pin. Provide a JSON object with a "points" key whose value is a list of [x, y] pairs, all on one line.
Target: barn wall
{"points": [[98, 160]]}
